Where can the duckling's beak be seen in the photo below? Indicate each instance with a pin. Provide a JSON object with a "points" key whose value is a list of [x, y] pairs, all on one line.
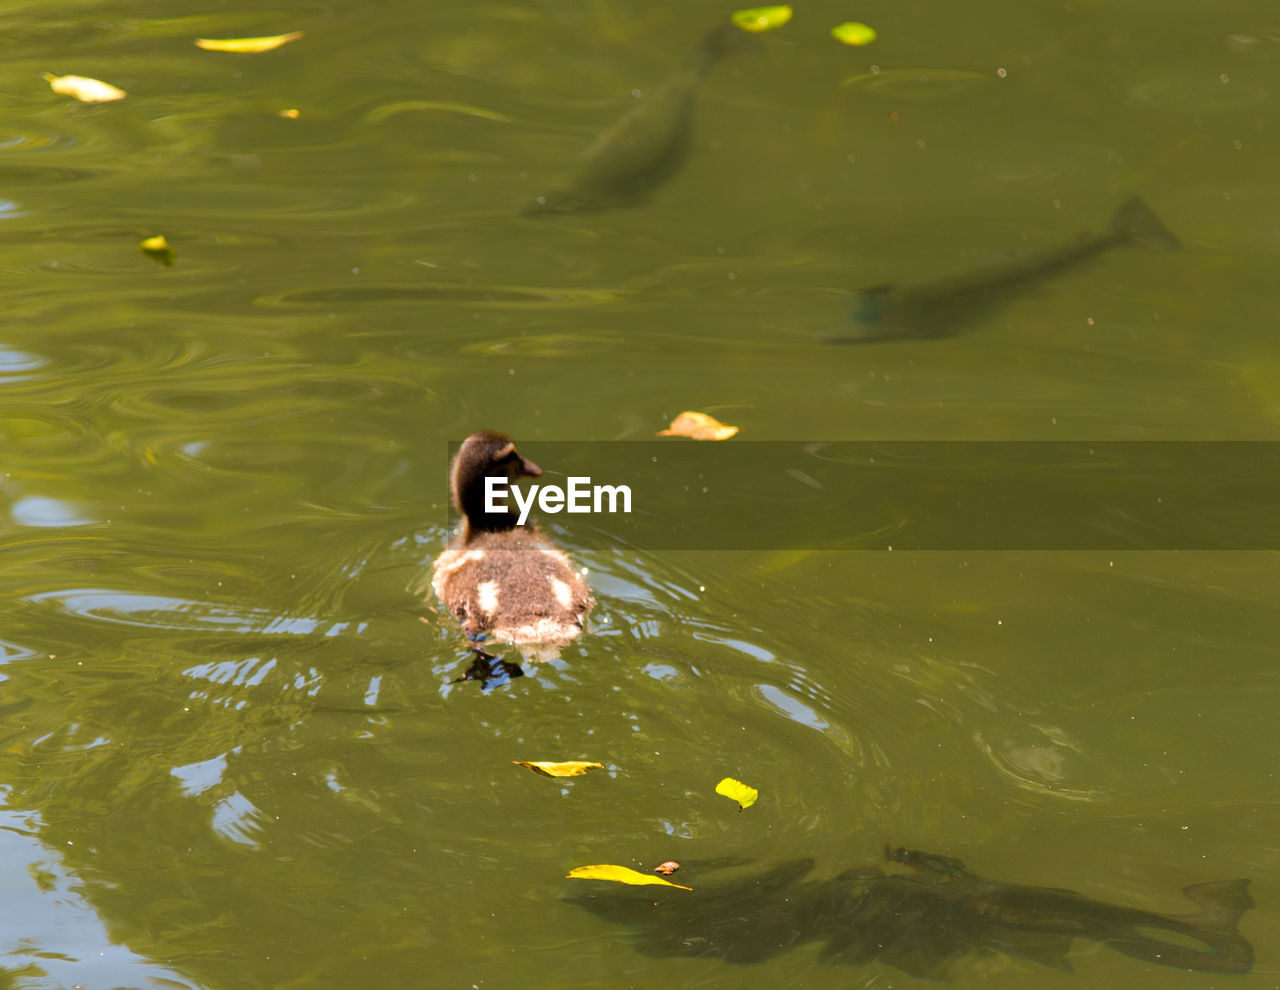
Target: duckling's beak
{"points": [[528, 469]]}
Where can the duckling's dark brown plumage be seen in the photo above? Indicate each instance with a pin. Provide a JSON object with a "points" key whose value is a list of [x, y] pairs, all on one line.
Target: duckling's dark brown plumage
{"points": [[499, 579]]}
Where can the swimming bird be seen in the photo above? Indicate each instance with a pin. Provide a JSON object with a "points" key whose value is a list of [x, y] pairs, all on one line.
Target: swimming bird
{"points": [[647, 145], [949, 305], [502, 580]]}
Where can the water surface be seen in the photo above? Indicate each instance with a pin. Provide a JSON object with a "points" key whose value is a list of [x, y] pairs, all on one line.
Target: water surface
{"points": [[233, 751]]}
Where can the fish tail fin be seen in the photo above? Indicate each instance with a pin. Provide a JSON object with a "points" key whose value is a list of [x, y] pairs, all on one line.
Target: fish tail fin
{"points": [[1222, 948], [1222, 902], [1135, 223]]}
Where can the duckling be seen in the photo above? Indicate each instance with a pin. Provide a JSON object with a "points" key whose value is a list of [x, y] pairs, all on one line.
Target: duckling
{"points": [[501, 579]]}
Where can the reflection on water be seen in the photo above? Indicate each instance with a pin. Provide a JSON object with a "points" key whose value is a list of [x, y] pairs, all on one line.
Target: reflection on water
{"points": [[44, 898], [41, 511], [169, 613], [13, 364]]}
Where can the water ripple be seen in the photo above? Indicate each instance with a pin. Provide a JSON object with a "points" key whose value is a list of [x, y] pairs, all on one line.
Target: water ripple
{"points": [[42, 511], [160, 611], [14, 365], [461, 294]]}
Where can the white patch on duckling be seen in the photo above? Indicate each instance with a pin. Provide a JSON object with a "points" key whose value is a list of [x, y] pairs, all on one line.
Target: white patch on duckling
{"points": [[563, 593], [448, 563], [556, 555], [452, 559], [488, 592], [542, 631]]}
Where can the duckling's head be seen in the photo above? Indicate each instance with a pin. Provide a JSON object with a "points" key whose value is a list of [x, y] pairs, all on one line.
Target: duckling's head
{"points": [[485, 455]]}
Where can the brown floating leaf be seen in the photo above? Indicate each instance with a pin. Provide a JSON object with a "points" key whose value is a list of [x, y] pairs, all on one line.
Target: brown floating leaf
{"points": [[571, 768], [740, 792], [667, 868], [84, 89], [698, 426], [619, 874], [247, 45]]}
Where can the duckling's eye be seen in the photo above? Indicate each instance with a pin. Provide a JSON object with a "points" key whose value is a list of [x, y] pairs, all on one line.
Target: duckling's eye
{"points": [[504, 453]]}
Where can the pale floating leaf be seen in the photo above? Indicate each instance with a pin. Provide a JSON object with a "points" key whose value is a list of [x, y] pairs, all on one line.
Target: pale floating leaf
{"points": [[247, 45], [619, 874], [570, 768], [738, 791], [758, 19], [854, 33], [158, 250], [379, 114], [698, 426], [84, 89]]}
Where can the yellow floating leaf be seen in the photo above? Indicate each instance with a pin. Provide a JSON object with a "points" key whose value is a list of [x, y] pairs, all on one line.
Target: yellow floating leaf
{"points": [[158, 249], [247, 45], [698, 426], [571, 768], [290, 114], [84, 89], [854, 33], [738, 791], [757, 19], [619, 874]]}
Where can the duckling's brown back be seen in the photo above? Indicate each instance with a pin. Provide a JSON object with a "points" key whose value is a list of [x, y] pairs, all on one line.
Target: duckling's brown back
{"points": [[516, 586]]}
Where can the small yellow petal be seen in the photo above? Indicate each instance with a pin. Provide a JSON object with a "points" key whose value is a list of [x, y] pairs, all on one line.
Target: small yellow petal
{"points": [[247, 45], [158, 249], [84, 89], [619, 874], [854, 33], [738, 791]]}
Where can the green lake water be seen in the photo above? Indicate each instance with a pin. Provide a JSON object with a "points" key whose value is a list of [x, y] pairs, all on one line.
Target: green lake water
{"points": [[232, 749]]}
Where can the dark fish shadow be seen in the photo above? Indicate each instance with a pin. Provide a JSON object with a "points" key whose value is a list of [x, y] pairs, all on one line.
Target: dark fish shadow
{"points": [[949, 306], [919, 913], [647, 145]]}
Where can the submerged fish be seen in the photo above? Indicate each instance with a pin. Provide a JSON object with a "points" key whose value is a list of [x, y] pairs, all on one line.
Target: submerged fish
{"points": [[647, 145], [947, 306], [920, 913]]}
